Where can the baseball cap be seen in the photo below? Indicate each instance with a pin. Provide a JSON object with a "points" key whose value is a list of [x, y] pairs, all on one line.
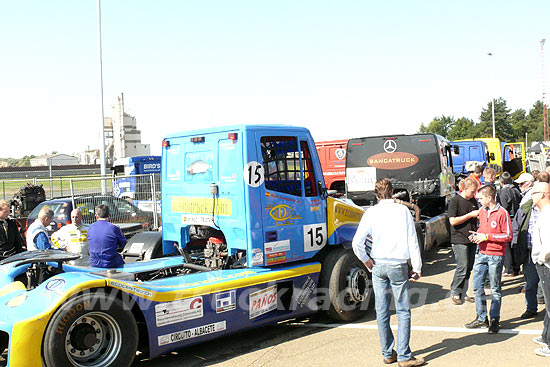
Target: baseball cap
{"points": [[525, 177]]}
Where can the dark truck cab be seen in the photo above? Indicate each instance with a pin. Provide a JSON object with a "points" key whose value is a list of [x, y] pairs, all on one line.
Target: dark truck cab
{"points": [[420, 168]]}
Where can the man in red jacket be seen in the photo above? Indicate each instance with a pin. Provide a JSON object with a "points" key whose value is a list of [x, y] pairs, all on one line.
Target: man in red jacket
{"points": [[494, 231]]}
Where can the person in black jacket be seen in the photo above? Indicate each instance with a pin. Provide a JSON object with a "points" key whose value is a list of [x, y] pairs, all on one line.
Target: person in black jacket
{"points": [[509, 199], [10, 240], [523, 225]]}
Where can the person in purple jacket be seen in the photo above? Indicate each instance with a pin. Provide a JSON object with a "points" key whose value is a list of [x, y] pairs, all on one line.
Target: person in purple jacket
{"points": [[104, 239]]}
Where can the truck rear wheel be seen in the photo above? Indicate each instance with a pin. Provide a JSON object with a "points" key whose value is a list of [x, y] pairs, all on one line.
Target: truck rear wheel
{"points": [[346, 284]]}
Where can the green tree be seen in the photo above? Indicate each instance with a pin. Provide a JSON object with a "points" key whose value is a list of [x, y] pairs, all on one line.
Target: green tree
{"points": [[534, 122], [463, 128], [439, 125], [503, 126]]}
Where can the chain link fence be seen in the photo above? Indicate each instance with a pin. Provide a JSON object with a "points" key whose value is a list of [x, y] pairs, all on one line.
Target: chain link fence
{"points": [[123, 194]]}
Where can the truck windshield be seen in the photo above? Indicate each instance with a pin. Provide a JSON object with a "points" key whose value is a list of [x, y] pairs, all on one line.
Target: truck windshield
{"points": [[402, 158]]}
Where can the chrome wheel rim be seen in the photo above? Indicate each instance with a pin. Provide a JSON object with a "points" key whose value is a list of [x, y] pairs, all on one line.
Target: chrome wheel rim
{"points": [[357, 285], [93, 340]]}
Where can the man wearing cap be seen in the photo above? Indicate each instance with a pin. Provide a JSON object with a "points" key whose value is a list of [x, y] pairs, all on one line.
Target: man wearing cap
{"points": [[525, 182]]}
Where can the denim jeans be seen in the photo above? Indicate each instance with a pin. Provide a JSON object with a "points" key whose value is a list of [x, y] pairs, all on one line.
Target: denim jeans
{"points": [[464, 256], [488, 265], [531, 284], [544, 275], [388, 279]]}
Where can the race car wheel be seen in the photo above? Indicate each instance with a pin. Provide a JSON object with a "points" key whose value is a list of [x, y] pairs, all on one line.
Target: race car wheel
{"points": [[91, 330], [347, 285]]}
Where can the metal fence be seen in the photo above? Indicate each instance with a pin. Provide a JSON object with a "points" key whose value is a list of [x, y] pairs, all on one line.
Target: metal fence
{"points": [[54, 187], [122, 194]]}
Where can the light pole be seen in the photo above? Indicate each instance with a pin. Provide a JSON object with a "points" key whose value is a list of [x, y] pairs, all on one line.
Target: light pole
{"points": [[100, 77], [492, 99]]}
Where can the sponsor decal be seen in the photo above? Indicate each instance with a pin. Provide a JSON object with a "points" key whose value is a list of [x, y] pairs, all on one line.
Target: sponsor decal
{"points": [[197, 219], [55, 285], [275, 258], [197, 167], [177, 311], [130, 288], [180, 336], [136, 247], [214, 279], [148, 167], [314, 208], [257, 257], [340, 153], [305, 292], [225, 301], [174, 176], [190, 205], [361, 178], [335, 173], [396, 160], [493, 224], [263, 301], [283, 213], [277, 246], [346, 213]]}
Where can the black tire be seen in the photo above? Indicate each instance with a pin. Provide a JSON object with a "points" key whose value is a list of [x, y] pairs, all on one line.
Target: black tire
{"points": [[91, 330], [346, 285], [420, 238]]}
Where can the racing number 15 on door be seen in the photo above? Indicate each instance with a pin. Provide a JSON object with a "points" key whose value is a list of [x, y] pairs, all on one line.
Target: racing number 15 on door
{"points": [[315, 236]]}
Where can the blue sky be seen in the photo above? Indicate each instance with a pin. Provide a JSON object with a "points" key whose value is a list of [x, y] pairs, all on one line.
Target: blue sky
{"points": [[341, 68]]}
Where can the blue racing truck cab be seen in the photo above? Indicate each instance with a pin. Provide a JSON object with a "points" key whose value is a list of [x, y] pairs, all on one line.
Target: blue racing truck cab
{"points": [[253, 197]]}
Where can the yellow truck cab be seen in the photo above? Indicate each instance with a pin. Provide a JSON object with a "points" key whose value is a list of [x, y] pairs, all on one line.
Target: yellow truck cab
{"points": [[505, 156]]}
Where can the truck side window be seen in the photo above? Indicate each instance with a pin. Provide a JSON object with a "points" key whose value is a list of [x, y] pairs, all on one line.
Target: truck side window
{"points": [[281, 162], [309, 173]]}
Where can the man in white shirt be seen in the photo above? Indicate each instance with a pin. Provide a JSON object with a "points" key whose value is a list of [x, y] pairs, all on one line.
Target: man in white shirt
{"points": [[394, 242], [540, 255], [74, 238]]}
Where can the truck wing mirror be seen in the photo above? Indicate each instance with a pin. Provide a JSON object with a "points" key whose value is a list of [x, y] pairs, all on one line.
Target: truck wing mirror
{"points": [[323, 191], [492, 156], [456, 149]]}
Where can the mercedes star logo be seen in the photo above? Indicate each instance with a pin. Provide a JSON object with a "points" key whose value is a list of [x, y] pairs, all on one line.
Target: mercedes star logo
{"points": [[390, 146]]}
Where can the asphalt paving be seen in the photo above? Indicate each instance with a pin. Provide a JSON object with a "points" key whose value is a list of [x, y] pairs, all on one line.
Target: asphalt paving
{"points": [[438, 333]]}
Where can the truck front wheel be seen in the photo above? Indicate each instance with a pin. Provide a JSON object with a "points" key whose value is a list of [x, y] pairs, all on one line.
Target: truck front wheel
{"points": [[346, 285], [91, 330]]}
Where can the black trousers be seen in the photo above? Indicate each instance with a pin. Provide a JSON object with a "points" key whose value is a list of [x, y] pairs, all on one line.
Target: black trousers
{"points": [[510, 263], [544, 275], [465, 255]]}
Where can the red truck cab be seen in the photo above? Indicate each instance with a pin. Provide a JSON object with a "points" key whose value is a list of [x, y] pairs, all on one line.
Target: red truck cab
{"points": [[332, 155]]}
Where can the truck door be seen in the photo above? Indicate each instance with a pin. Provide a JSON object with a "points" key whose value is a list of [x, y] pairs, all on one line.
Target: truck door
{"points": [[294, 213], [513, 159]]}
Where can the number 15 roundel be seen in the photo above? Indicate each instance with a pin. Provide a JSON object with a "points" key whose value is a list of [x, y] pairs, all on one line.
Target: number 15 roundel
{"points": [[253, 174]]}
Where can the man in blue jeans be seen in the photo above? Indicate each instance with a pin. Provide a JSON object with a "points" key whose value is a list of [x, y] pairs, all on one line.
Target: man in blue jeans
{"points": [[494, 232], [394, 241]]}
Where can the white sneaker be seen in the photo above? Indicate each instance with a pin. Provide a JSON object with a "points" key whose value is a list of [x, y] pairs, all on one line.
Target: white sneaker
{"points": [[544, 351], [539, 341]]}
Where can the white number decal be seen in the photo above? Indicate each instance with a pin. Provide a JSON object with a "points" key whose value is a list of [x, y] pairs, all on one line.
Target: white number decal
{"points": [[253, 174], [315, 236]]}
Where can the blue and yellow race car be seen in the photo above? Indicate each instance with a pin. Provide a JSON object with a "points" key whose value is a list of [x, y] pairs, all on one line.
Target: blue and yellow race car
{"points": [[249, 237]]}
